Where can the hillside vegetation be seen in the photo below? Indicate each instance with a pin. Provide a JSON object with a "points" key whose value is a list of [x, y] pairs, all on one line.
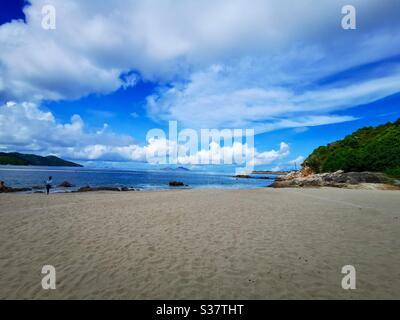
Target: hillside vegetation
{"points": [[19, 159], [375, 149]]}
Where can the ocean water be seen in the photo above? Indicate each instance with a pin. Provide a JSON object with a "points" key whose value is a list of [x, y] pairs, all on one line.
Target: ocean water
{"points": [[21, 177]]}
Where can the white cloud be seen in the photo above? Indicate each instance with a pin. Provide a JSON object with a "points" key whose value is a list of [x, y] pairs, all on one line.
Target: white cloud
{"points": [[97, 42], [298, 161], [236, 154], [25, 127], [217, 63], [227, 97], [268, 157]]}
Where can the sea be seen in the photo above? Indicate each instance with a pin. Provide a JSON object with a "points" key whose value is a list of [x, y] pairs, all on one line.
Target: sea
{"points": [[35, 177]]}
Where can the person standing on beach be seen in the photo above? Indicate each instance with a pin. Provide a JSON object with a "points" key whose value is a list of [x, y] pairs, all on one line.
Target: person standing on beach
{"points": [[49, 183]]}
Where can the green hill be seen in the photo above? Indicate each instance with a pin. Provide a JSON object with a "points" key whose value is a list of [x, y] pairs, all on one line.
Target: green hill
{"points": [[375, 149], [20, 159]]}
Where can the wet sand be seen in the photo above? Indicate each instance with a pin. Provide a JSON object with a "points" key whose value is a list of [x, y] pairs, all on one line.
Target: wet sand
{"points": [[201, 244]]}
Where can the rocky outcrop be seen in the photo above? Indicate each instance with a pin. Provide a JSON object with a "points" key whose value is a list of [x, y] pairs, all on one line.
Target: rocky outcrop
{"points": [[177, 184], [337, 179], [86, 189], [66, 184], [117, 189], [5, 189]]}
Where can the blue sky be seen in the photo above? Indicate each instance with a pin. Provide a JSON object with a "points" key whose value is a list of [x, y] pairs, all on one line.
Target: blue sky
{"points": [[91, 89]]}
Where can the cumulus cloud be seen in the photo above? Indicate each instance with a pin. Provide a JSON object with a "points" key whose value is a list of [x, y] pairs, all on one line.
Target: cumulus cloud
{"points": [[238, 153], [215, 63], [298, 161], [97, 43], [25, 127]]}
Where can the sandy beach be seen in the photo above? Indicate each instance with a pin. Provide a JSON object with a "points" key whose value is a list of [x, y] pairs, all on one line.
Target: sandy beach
{"points": [[201, 244]]}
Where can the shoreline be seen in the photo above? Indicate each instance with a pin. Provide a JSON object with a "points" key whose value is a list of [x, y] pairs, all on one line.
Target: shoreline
{"points": [[201, 244], [67, 181], [116, 190], [131, 190]]}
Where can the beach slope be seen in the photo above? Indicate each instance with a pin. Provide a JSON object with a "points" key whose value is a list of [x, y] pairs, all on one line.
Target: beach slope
{"points": [[201, 244]]}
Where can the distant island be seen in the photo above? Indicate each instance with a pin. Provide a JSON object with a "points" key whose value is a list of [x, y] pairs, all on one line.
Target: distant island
{"points": [[374, 149], [19, 159], [175, 169]]}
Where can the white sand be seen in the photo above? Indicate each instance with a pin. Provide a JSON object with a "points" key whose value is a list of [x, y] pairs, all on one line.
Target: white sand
{"points": [[208, 244]]}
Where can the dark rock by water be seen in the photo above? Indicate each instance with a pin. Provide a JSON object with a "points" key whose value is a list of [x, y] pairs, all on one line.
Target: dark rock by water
{"points": [[5, 189], [105, 188], [177, 184], [66, 184]]}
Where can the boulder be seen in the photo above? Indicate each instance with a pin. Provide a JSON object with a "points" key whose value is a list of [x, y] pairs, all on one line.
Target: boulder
{"points": [[176, 184], [66, 184], [103, 188], [107, 189], [5, 189], [85, 189]]}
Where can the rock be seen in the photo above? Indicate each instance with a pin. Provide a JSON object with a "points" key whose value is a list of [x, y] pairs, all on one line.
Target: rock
{"points": [[85, 189], [5, 189], [337, 179], [66, 184], [91, 189], [126, 189], [243, 176], [107, 189], [306, 171], [177, 184]]}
